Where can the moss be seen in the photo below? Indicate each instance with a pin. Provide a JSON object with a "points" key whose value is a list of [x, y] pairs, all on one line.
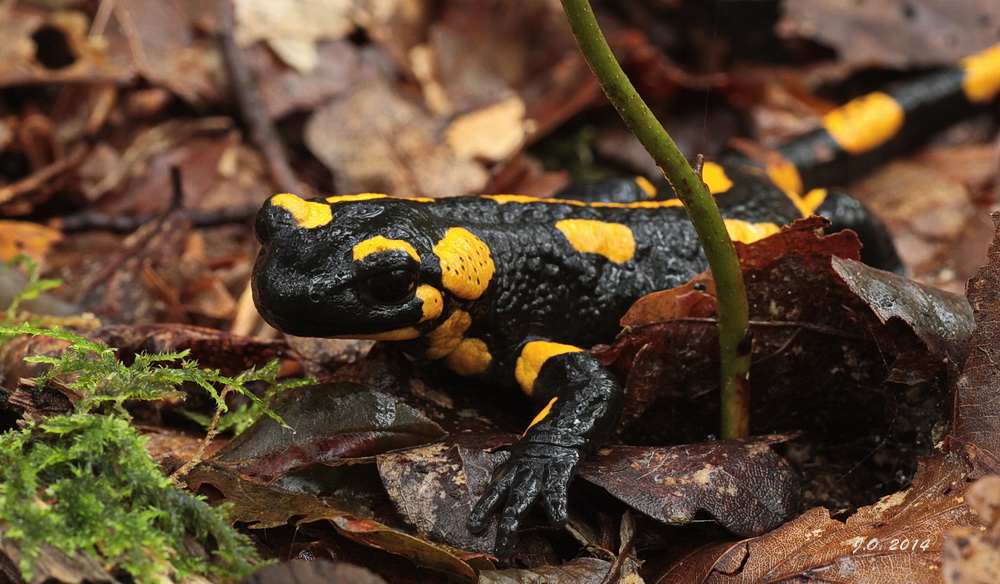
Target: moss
{"points": [[84, 483]]}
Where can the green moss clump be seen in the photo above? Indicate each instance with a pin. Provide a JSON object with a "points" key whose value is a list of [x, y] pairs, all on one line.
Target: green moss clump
{"points": [[84, 483]]}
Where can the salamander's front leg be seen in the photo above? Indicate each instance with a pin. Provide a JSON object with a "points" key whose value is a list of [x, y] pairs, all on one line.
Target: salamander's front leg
{"points": [[582, 402]]}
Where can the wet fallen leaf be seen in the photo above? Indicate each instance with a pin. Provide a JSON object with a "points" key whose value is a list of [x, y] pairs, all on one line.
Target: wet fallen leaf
{"points": [[325, 422], [432, 489], [743, 485]]}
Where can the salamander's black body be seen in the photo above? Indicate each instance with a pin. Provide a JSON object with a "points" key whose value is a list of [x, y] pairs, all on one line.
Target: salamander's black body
{"points": [[512, 289]]}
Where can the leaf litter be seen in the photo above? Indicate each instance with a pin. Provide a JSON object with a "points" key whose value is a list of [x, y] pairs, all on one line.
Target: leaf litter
{"points": [[859, 386]]}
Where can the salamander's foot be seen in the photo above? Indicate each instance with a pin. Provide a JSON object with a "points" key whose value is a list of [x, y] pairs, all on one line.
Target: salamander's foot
{"points": [[534, 472]]}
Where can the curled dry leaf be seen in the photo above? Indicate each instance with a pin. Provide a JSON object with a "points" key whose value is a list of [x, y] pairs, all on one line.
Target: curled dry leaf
{"points": [[976, 406]]}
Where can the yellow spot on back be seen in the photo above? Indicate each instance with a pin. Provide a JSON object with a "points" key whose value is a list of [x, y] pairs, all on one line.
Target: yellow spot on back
{"points": [[813, 199], [532, 357], [432, 302], [470, 357], [544, 413], [357, 197], [503, 199], [466, 264], [784, 174], [749, 232], [864, 123], [982, 75], [646, 186], [611, 240], [715, 177], [307, 214], [400, 334], [447, 336], [380, 244]]}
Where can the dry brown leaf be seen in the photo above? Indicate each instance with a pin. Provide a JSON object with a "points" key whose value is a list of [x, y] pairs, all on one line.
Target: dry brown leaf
{"points": [[976, 406], [26, 238], [492, 133], [900, 33], [898, 539], [375, 140]]}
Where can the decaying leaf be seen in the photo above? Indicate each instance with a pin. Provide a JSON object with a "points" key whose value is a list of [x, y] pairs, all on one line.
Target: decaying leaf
{"points": [[744, 485], [578, 571], [387, 144], [976, 406], [898, 539], [924, 33], [431, 488], [325, 422]]}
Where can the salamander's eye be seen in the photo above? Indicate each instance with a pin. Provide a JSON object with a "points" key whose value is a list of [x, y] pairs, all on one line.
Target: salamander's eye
{"points": [[390, 286]]}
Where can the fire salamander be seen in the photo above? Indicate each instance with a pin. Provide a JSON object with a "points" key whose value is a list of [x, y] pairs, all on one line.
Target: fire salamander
{"points": [[512, 289]]}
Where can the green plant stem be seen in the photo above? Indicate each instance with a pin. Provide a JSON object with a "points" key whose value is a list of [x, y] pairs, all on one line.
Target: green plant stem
{"points": [[734, 332]]}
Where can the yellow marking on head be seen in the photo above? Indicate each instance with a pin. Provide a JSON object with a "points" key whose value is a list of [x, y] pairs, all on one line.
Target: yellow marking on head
{"points": [[714, 176], [532, 357], [982, 75], [470, 357], [446, 337], [400, 334], [420, 199], [646, 186], [813, 199], [379, 244], [466, 264], [357, 197], [307, 214], [432, 303], [865, 123], [544, 413], [611, 240], [784, 174], [749, 232]]}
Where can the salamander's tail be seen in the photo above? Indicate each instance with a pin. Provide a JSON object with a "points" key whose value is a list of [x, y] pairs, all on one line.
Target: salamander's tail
{"points": [[867, 130]]}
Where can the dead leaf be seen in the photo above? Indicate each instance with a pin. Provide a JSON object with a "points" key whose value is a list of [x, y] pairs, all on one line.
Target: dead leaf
{"points": [[577, 571], [895, 33], [492, 133], [976, 405], [26, 238], [318, 571], [432, 489], [898, 539], [386, 143], [743, 485], [325, 422]]}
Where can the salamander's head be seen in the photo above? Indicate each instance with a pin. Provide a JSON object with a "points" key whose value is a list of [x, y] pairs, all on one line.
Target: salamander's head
{"points": [[359, 267]]}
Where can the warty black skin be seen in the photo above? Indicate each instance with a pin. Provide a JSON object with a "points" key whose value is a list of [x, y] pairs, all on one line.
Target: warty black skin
{"points": [[305, 283]]}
